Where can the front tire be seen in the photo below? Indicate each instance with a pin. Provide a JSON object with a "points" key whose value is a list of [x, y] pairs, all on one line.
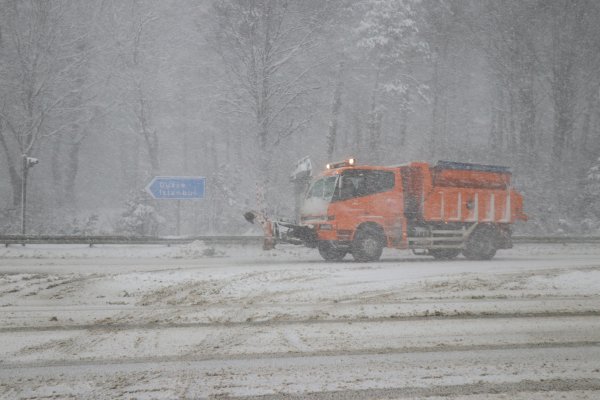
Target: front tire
{"points": [[481, 245], [368, 244], [329, 252]]}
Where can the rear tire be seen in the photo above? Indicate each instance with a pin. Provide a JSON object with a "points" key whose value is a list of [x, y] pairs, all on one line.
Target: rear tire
{"points": [[444, 254], [329, 252], [481, 245], [368, 244]]}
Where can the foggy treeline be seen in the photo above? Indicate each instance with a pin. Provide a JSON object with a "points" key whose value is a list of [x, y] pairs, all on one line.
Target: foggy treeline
{"points": [[110, 93]]}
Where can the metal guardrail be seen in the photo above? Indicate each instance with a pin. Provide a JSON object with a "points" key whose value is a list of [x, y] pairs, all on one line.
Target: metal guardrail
{"points": [[556, 239], [138, 240], [241, 240]]}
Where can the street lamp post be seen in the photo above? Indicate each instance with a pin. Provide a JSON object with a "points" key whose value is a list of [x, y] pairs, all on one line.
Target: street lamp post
{"points": [[28, 162]]}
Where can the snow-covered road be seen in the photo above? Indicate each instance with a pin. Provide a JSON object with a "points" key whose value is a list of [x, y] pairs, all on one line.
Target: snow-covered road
{"points": [[200, 322]]}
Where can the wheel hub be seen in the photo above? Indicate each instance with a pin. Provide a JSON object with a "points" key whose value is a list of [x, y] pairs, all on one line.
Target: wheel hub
{"points": [[370, 246]]}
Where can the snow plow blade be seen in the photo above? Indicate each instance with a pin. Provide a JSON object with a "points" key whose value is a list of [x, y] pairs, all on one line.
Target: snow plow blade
{"points": [[281, 231]]}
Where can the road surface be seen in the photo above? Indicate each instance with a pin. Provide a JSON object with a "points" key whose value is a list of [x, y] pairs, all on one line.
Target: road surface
{"points": [[151, 322]]}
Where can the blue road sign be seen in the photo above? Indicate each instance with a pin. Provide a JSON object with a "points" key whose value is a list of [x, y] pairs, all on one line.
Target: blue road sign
{"points": [[177, 187]]}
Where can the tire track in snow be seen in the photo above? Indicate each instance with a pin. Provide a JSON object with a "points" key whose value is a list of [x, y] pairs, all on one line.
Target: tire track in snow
{"points": [[175, 359], [561, 386], [539, 373], [282, 321]]}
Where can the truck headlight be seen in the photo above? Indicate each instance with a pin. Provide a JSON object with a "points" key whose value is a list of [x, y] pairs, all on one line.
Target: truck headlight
{"points": [[325, 227]]}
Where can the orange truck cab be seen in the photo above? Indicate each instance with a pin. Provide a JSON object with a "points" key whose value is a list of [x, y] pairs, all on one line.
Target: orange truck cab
{"points": [[439, 210]]}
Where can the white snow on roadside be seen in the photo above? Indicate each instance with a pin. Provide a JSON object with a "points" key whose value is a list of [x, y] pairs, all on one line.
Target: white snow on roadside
{"points": [[238, 283], [196, 249], [209, 303], [200, 249], [583, 282]]}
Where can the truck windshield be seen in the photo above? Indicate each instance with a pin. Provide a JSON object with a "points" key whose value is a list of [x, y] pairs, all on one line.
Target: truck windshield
{"points": [[323, 188], [358, 183]]}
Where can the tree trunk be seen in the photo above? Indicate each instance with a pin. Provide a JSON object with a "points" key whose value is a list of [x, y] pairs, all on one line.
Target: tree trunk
{"points": [[374, 124], [358, 139], [15, 178], [497, 127], [586, 145], [263, 156], [151, 139], [56, 166], [527, 114], [71, 175], [336, 104], [434, 133], [563, 98], [566, 33], [149, 135], [513, 110], [404, 112], [263, 116]]}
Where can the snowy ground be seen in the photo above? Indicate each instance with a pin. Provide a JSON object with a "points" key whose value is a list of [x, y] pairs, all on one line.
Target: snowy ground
{"points": [[197, 321]]}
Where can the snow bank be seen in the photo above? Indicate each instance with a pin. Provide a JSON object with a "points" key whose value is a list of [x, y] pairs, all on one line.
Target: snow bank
{"points": [[197, 249]]}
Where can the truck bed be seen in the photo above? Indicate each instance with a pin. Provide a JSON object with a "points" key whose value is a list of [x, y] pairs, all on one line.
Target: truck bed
{"points": [[460, 192]]}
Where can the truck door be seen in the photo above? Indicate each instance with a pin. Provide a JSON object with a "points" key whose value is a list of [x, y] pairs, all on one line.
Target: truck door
{"points": [[371, 196], [348, 204]]}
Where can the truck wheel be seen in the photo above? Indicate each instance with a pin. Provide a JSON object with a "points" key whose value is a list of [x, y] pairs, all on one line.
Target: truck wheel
{"points": [[329, 252], [444, 254], [481, 245], [368, 244]]}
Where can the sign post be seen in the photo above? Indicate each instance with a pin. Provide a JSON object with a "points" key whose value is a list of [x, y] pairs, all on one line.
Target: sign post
{"points": [[28, 162], [177, 188]]}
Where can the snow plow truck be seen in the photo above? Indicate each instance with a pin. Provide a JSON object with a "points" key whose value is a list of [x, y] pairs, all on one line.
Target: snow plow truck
{"points": [[440, 211]]}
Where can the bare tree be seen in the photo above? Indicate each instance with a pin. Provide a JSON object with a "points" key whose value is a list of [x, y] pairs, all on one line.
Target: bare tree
{"points": [[133, 25], [388, 30], [336, 104], [261, 43], [567, 31], [36, 84], [439, 34]]}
